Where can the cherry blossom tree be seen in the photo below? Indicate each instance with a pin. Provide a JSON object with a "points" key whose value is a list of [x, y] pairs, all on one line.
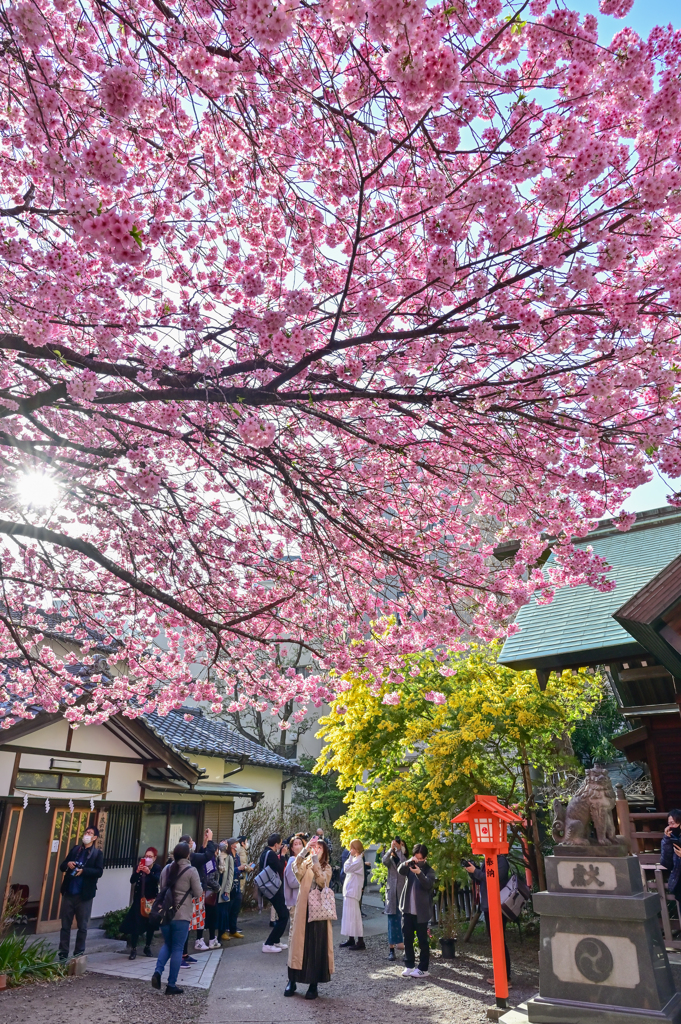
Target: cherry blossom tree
{"points": [[306, 307]]}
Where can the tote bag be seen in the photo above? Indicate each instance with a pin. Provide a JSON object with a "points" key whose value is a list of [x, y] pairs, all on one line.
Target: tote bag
{"points": [[321, 904]]}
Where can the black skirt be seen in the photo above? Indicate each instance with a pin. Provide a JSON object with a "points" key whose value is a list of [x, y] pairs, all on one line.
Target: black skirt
{"points": [[315, 967]]}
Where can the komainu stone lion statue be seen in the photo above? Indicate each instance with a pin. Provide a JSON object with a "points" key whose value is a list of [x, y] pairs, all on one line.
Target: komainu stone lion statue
{"points": [[593, 801]]}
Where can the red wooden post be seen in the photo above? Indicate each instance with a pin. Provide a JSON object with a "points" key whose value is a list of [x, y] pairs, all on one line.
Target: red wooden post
{"points": [[487, 820], [496, 929]]}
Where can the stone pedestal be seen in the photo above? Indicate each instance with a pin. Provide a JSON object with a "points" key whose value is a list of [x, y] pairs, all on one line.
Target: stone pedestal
{"points": [[602, 956]]}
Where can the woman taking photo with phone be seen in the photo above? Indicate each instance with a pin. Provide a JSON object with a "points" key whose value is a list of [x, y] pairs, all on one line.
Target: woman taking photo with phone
{"points": [[310, 954], [145, 878]]}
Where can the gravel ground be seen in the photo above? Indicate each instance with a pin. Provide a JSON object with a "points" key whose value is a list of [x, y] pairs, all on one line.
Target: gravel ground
{"points": [[367, 987], [100, 999]]}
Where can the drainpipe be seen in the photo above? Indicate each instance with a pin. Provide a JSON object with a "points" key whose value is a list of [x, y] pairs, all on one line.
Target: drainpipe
{"points": [[284, 784]]}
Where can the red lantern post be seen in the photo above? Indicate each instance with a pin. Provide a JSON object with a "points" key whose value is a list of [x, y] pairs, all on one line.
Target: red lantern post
{"points": [[488, 820]]}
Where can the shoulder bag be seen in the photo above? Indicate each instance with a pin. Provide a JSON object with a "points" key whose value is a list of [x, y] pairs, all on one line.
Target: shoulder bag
{"points": [[321, 904], [268, 881]]}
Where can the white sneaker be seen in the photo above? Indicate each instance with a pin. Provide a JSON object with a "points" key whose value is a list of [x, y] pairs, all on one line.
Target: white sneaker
{"points": [[281, 945], [407, 972], [416, 973], [200, 946], [271, 949], [214, 944]]}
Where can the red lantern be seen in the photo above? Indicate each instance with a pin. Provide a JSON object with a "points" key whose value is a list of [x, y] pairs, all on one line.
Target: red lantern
{"points": [[488, 820]]}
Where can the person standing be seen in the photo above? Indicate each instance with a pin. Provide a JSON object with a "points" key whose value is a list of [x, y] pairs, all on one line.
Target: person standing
{"points": [[82, 867], [351, 922], [198, 860], [670, 857], [310, 956], [185, 884], [480, 876], [145, 879], [320, 835], [291, 883], [226, 867], [271, 857], [416, 904], [396, 855]]}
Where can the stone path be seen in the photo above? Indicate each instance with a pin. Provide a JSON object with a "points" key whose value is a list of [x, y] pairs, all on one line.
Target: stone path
{"points": [[198, 975]]}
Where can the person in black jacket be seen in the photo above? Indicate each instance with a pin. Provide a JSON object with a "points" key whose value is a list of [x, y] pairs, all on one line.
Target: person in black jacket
{"points": [[272, 857], [82, 867], [480, 877], [145, 878], [416, 906]]}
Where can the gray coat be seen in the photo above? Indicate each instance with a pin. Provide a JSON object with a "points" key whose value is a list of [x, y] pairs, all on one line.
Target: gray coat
{"points": [[191, 883], [423, 885], [395, 882]]}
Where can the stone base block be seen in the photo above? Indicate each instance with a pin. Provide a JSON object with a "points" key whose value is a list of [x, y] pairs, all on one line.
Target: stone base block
{"points": [[564, 1011], [586, 850]]}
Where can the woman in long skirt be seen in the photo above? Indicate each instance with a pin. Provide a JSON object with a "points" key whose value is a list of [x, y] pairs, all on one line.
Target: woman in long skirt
{"points": [[310, 952], [351, 923]]}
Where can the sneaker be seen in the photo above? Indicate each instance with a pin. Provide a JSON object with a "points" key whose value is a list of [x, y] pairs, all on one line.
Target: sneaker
{"points": [[173, 990], [184, 965], [281, 945], [214, 944], [406, 973], [200, 946], [187, 960], [235, 935], [156, 980], [417, 973], [271, 949]]}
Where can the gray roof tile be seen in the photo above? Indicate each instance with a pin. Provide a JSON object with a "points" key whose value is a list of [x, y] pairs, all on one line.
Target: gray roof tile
{"points": [[579, 619], [214, 737]]}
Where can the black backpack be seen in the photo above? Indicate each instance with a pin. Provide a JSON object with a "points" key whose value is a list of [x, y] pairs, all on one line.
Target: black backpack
{"points": [[163, 910]]}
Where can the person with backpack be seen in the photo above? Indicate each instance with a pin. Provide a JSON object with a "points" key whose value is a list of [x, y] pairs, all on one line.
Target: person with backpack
{"points": [[480, 877], [173, 908], [269, 881]]}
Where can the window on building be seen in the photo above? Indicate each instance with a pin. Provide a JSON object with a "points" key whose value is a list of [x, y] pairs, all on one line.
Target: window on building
{"points": [[59, 781]]}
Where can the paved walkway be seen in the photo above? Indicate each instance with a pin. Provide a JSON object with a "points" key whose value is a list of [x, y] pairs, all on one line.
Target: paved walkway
{"points": [[198, 975]]}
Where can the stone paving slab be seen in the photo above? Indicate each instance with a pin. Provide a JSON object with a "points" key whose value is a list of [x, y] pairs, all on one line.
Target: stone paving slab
{"points": [[198, 975]]}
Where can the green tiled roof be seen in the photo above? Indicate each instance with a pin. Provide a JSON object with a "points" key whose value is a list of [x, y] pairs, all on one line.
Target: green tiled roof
{"points": [[577, 627]]}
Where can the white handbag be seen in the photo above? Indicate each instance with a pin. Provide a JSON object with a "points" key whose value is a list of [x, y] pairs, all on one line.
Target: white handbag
{"points": [[321, 904]]}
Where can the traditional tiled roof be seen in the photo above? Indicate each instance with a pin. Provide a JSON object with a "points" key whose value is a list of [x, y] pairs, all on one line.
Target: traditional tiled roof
{"points": [[213, 737], [578, 627]]}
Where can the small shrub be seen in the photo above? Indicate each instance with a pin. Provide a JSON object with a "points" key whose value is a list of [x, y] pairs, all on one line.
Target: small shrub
{"points": [[22, 961], [112, 921]]}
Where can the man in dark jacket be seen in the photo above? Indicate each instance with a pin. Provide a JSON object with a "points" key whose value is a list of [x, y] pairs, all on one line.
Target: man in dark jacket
{"points": [[84, 864], [669, 858], [416, 906], [480, 876]]}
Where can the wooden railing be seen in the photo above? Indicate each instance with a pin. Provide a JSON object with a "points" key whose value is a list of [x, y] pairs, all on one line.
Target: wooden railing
{"points": [[641, 839]]}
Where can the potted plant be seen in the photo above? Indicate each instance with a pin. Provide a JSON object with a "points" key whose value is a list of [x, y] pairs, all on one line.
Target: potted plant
{"points": [[448, 923]]}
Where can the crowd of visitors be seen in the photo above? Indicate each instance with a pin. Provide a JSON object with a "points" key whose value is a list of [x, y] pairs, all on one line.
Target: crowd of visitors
{"points": [[201, 890]]}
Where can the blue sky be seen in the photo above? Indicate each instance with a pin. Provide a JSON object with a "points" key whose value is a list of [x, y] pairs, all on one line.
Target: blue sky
{"points": [[644, 15]]}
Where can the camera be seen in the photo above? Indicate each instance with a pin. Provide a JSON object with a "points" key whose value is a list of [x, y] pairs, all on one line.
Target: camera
{"points": [[465, 863]]}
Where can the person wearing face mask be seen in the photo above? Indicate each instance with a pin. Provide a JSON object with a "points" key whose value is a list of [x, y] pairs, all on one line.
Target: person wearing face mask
{"points": [[83, 865], [145, 878]]}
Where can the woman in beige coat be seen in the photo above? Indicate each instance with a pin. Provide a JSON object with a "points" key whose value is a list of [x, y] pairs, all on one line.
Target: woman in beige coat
{"points": [[310, 954]]}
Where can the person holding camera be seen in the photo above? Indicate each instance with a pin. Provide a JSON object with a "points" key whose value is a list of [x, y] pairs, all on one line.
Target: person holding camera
{"points": [[396, 855], [416, 905], [144, 878], [310, 956], [83, 866], [274, 857], [480, 876]]}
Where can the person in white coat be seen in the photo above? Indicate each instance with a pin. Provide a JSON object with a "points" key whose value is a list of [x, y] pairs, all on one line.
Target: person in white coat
{"points": [[351, 922]]}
